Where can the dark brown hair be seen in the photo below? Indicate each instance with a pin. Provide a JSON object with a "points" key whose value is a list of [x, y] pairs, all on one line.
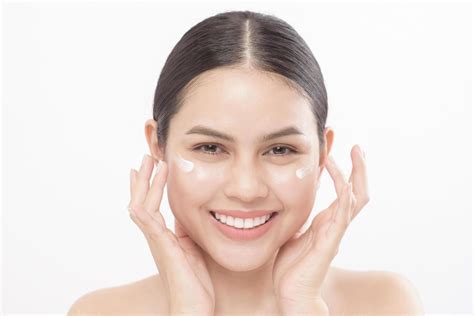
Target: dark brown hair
{"points": [[235, 39]]}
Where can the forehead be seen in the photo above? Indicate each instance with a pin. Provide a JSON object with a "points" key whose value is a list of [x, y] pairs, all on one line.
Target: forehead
{"points": [[235, 98]]}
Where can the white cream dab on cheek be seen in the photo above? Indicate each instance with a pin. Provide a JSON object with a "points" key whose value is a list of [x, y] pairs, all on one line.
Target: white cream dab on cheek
{"points": [[185, 165], [303, 172]]}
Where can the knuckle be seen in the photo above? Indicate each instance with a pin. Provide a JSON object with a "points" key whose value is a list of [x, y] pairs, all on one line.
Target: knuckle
{"points": [[134, 206]]}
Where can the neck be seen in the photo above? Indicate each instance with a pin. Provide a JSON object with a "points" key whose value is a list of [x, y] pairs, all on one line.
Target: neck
{"points": [[243, 292]]}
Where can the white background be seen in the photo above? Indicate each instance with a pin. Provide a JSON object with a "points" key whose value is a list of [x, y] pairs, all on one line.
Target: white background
{"points": [[78, 85]]}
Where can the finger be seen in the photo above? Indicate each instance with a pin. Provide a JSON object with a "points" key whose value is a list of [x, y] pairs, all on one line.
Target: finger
{"points": [[133, 180], [324, 250], [157, 216], [154, 230], [143, 180], [336, 174], [323, 253], [163, 243], [155, 193], [359, 179], [323, 216], [146, 222], [319, 220], [342, 217]]}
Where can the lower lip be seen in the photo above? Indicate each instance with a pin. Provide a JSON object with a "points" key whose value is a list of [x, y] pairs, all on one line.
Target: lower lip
{"points": [[243, 234]]}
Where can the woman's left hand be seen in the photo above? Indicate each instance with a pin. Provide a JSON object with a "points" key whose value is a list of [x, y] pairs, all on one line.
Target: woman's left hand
{"points": [[303, 262]]}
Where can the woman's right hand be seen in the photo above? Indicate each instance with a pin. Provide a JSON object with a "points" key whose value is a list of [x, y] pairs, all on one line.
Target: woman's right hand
{"points": [[179, 260]]}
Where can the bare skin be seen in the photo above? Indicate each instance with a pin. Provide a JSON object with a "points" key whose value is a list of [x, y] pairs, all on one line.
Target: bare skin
{"points": [[230, 101], [346, 293]]}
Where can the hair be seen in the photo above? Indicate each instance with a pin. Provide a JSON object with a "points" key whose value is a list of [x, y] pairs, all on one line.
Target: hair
{"points": [[239, 39]]}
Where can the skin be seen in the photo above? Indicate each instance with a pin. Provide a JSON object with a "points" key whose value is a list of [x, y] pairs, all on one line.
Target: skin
{"points": [[253, 277]]}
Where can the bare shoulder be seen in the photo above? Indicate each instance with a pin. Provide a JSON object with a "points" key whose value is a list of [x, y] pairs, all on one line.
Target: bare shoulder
{"points": [[142, 297], [373, 292]]}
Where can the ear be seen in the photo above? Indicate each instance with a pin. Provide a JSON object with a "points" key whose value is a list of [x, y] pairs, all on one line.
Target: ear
{"points": [[152, 139], [329, 138]]}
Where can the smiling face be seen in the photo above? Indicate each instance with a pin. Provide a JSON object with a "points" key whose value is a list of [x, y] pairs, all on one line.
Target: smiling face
{"points": [[243, 140]]}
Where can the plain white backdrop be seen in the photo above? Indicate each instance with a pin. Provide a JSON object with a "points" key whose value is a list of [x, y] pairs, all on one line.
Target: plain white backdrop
{"points": [[78, 85]]}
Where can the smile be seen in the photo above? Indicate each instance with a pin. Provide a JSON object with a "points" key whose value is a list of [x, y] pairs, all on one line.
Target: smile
{"points": [[242, 229], [242, 223]]}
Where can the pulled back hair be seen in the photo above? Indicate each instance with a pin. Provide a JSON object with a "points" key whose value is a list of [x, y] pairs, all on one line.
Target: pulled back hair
{"points": [[239, 39]]}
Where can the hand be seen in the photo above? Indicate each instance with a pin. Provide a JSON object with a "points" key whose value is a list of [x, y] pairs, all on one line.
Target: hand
{"points": [[179, 260], [303, 261]]}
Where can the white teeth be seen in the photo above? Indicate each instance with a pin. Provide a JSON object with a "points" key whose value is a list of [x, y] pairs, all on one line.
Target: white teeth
{"points": [[238, 222], [256, 221], [241, 222], [248, 223]]}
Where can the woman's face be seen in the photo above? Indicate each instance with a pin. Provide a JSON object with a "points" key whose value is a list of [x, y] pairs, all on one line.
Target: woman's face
{"points": [[244, 171]]}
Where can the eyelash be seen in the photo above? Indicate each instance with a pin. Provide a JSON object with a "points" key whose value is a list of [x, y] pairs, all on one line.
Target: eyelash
{"points": [[291, 151]]}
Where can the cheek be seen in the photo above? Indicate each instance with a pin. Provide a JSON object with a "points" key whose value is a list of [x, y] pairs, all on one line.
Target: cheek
{"points": [[190, 185], [294, 185], [296, 189]]}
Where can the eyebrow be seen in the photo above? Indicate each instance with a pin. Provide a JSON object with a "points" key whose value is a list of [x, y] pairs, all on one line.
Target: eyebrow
{"points": [[203, 130]]}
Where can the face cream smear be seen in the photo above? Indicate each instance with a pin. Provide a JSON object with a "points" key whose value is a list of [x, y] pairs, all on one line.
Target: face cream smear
{"points": [[303, 172], [185, 165]]}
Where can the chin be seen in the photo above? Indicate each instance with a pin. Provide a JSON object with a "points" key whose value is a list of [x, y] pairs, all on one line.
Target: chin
{"points": [[241, 259]]}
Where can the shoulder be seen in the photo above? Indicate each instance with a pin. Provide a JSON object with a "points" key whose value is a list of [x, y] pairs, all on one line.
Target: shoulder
{"points": [[394, 293], [143, 296], [376, 292]]}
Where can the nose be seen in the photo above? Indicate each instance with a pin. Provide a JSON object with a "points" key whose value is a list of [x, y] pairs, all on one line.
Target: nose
{"points": [[245, 183]]}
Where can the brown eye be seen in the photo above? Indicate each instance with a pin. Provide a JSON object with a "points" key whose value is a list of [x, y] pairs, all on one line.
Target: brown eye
{"points": [[281, 150], [209, 149]]}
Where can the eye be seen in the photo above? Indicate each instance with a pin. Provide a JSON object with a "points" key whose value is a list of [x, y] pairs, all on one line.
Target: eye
{"points": [[289, 150], [212, 148]]}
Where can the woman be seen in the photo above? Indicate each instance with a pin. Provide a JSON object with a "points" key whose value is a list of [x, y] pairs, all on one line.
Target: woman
{"points": [[238, 135]]}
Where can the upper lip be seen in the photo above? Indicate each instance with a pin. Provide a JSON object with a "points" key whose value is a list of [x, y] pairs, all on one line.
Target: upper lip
{"points": [[244, 214]]}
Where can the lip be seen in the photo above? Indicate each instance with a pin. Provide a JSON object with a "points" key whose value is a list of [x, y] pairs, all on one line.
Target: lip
{"points": [[243, 234], [244, 214]]}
